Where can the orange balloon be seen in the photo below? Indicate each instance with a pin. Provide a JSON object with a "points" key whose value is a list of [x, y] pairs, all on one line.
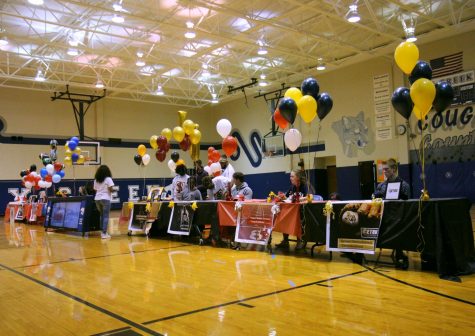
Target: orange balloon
{"points": [[279, 119], [230, 145]]}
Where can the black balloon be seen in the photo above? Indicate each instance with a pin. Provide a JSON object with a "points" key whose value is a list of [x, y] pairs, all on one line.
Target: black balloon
{"points": [[444, 95], [421, 70], [138, 159], [288, 109], [324, 105], [23, 173], [33, 168], [310, 87], [46, 160], [175, 156], [402, 102]]}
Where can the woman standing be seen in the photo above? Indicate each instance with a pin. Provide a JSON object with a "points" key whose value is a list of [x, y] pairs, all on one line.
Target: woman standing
{"points": [[103, 186]]}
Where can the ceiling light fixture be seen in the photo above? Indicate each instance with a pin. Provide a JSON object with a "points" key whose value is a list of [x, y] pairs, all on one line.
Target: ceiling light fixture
{"points": [[352, 15], [40, 76], [409, 29], [159, 91], [190, 34], [73, 52], [262, 51], [140, 62], [99, 84], [214, 97], [3, 40], [36, 2], [117, 6], [321, 65], [117, 18], [263, 81]]}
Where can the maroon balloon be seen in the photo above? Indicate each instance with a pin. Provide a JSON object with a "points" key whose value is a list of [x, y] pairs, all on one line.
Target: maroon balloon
{"points": [[167, 147], [161, 142], [160, 155], [185, 143]]}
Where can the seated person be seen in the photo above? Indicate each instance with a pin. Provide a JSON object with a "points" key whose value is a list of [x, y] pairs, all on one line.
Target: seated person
{"points": [[217, 186], [390, 172], [297, 193], [194, 194], [180, 182], [240, 187]]}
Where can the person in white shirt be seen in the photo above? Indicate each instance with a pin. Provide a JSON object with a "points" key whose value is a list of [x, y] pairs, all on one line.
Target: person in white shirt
{"points": [[103, 185], [227, 170], [180, 188]]}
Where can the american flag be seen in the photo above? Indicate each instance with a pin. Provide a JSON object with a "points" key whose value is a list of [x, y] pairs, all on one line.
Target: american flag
{"points": [[447, 65]]}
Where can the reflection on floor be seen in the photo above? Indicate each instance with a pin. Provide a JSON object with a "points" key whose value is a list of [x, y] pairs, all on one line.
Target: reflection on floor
{"points": [[57, 283]]}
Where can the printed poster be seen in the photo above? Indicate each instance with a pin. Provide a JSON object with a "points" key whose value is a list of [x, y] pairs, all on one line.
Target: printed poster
{"points": [[354, 226], [181, 219], [254, 223]]}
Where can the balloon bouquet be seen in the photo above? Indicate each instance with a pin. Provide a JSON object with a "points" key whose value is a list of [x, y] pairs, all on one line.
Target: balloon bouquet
{"points": [[421, 96], [306, 101]]}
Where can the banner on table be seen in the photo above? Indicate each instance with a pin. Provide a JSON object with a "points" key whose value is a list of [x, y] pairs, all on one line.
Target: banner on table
{"points": [[354, 227], [254, 223], [34, 209], [181, 219], [138, 217], [20, 213]]}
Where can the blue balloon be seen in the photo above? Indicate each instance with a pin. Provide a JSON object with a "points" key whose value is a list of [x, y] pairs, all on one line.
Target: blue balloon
{"points": [[74, 157], [324, 105], [56, 178], [75, 139], [288, 109], [43, 172], [61, 173], [310, 87], [72, 145]]}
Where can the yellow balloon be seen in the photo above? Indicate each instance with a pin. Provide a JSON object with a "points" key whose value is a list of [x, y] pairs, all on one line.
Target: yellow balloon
{"points": [[181, 117], [195, 137], [153, 141], [423, 94], [307, 107], [67, 153], [178, 133], [167, 133], [188, 126], [197, 126], [66, 145], [68, 161], [141, 149], [77, 150], [418, 114], [406, 56], [293, 93], [80, 159], [195, 152]]}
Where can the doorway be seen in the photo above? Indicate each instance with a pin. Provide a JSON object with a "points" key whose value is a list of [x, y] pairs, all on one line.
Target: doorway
{"points": [[332, 181], [366, 173]]}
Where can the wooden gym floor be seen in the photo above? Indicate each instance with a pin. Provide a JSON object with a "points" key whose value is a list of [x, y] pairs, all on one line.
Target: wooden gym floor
{"points": [[54, 283]]}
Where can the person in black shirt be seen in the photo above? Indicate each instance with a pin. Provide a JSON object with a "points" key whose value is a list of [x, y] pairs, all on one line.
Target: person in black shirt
{"points": [[199, 174], [296, 194], [390, 171]]}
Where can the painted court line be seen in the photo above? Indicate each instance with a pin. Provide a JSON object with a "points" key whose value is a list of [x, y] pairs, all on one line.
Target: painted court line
{"points": [[87, 303], [250, 298]]}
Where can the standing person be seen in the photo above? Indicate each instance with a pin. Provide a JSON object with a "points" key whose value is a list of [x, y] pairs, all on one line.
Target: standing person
{"points": [[103, 185], [296, 194], [240, 187], [227, 170], [199, 174], [390, 172], [180, 182]]}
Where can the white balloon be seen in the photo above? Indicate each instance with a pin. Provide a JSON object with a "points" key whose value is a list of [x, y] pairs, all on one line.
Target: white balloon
{"points": [[224, 127], [50, 169], [41, 184], [207, 169], [215, 167], [292, 139], [28, 185], [56, 178], [172, 165], [35, 174], [48, 184], [146, 159]]}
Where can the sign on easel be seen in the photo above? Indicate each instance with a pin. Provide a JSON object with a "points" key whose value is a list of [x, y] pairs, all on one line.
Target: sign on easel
{"points": [[181, 219], [254, 223]]}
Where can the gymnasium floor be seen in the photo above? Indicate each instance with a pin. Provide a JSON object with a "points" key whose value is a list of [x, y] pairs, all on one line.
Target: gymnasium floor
{"points": [[62, 284]]}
